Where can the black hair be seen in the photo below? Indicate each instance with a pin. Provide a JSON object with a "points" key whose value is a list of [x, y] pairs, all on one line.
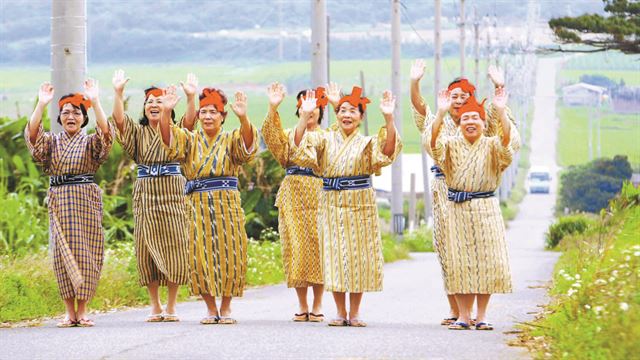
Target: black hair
{"points": [[302, 93], [144, 120], [223, 96], [85, 116]]}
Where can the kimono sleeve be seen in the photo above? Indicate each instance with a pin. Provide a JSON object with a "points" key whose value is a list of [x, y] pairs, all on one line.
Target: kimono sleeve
{"points": [[494, 128], [502, 155], [41, 149], [100, 143], [182, 141], [311, 149], [128, 137], [275, 137], [378, 158], [239, 152], [438, 152]]}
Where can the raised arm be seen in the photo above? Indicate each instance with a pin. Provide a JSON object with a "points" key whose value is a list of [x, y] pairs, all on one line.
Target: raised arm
{"points": [[387, 105], [417, 72], [190, 88], [444, 103], [45, 95], [308, 106], [333, 94], [239, 107], [92, 91], [119, 82], [500, 103], [169, 102], [272, 131]]}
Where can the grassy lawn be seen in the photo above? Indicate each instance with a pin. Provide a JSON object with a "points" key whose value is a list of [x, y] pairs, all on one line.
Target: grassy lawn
{"points": [[619, 136]]}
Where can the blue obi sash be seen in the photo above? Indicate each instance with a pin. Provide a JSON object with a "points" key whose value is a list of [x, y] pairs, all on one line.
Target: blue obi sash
{"points": [[69, 179], [154, 170], [437, 171], [211, 184], [462, 196], [298, 170], [346, 183]]}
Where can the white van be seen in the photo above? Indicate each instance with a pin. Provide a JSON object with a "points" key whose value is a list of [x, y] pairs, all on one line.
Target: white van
{"points": [[539, 180]]}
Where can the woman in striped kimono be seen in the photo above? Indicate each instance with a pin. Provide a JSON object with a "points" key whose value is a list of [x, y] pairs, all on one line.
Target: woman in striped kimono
{"points": [[159, 207], [348, 216], [297, 203], [211, 159], [71, 158], [459, 91], [473, 165]]}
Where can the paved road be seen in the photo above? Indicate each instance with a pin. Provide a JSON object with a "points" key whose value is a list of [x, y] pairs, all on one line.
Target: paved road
{"points": [[403, 320]]}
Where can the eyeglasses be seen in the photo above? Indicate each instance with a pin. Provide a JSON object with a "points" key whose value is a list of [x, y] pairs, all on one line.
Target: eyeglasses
{"points": [[68, 113]]}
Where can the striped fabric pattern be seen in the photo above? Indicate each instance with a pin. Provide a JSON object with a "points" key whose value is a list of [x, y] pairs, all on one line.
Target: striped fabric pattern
{"points": [[297, 203], [347, 220], [217, 237], [75, 211], [475, 229], [159, 210]]}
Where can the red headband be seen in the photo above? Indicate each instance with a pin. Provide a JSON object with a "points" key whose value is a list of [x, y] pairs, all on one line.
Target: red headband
{"points": [[212, 97], [157, 92], [76, 100], [464, 85], [473, 106], [321, 98], [355, 99]]}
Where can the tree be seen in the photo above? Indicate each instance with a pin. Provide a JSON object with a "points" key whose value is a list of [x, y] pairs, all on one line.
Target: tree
{"points": [[618, 31]]}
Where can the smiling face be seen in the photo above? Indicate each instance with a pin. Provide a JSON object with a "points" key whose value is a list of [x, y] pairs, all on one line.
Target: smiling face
{"points": [[153, 109], [349, 117], [210, 119], [471, 125], [71, 118], [458, 98]]}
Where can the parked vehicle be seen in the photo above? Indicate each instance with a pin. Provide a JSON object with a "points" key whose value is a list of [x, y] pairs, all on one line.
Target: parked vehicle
{"points": [[539, 180]]}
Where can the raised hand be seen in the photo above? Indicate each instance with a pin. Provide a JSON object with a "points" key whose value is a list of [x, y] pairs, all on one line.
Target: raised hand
{"points": [[190, 87], [239, 107], [387, 103], [119, 81], [333, 93], [444, 100], [309, 103], [500, 99], [276, 93], [496, 75], [91, 89], [417, 70], [170, 98], [45, 93]]}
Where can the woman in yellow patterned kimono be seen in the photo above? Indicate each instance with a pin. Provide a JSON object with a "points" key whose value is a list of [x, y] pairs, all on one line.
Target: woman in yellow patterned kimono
{"points": [[211, 159], [297, 202], [348, 216], [459, 91], [71, 158], [158, 197], [473, 165]]}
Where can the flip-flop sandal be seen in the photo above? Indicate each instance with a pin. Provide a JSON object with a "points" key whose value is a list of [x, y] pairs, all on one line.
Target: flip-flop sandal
{"points": [[85, 323], [155, 318], [483, 325], [210, 320], [339, 322], [66, 323], [448, 321], [357, 323], [302, 317], [459, 325], [316, 317], [472, 322], [170, 318], [225, 320]]}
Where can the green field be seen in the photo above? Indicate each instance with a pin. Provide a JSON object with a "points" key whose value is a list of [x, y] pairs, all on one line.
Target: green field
{"points": [[616, 66], [18, 86], [619, 135]]}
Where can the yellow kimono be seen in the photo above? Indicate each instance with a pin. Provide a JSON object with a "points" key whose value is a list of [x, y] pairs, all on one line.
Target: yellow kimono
{"points": [[347, 219], [475, 240], [217, 237], [297, 203]]}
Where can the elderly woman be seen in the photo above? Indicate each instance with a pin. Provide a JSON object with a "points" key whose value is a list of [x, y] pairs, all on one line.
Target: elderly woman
{"points": [[348, 216], [473, 165], [71, 158], [211, 159], [297, 202], [158, 194], [459, 91]]}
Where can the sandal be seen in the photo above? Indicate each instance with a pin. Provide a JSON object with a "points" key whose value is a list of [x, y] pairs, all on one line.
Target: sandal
{"points": [[155, 318], [85, 323], [459, 325], [67, 323], [316, 317], [210, 320], [166, 317], [357, 323], [339, 322], [483, 325], [225, 320], [448, 321], [302, 317]]}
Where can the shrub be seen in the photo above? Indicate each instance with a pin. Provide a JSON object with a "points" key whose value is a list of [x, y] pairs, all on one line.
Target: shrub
{"points": [[567, 225], [420, 240]]}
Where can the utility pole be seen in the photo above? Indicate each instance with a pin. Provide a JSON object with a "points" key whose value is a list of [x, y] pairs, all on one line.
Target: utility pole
{"points": [[476, 47], [68, 51], [462, 38], [319, 59], [396, 167], [364, 93], [281, 33]]}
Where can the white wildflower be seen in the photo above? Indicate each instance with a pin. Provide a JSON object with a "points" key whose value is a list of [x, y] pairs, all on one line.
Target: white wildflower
{"points": [[624, 306], [598, 309], [576, 285], [577, 276], [571, 292], [637, 253], [587, 306]]}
